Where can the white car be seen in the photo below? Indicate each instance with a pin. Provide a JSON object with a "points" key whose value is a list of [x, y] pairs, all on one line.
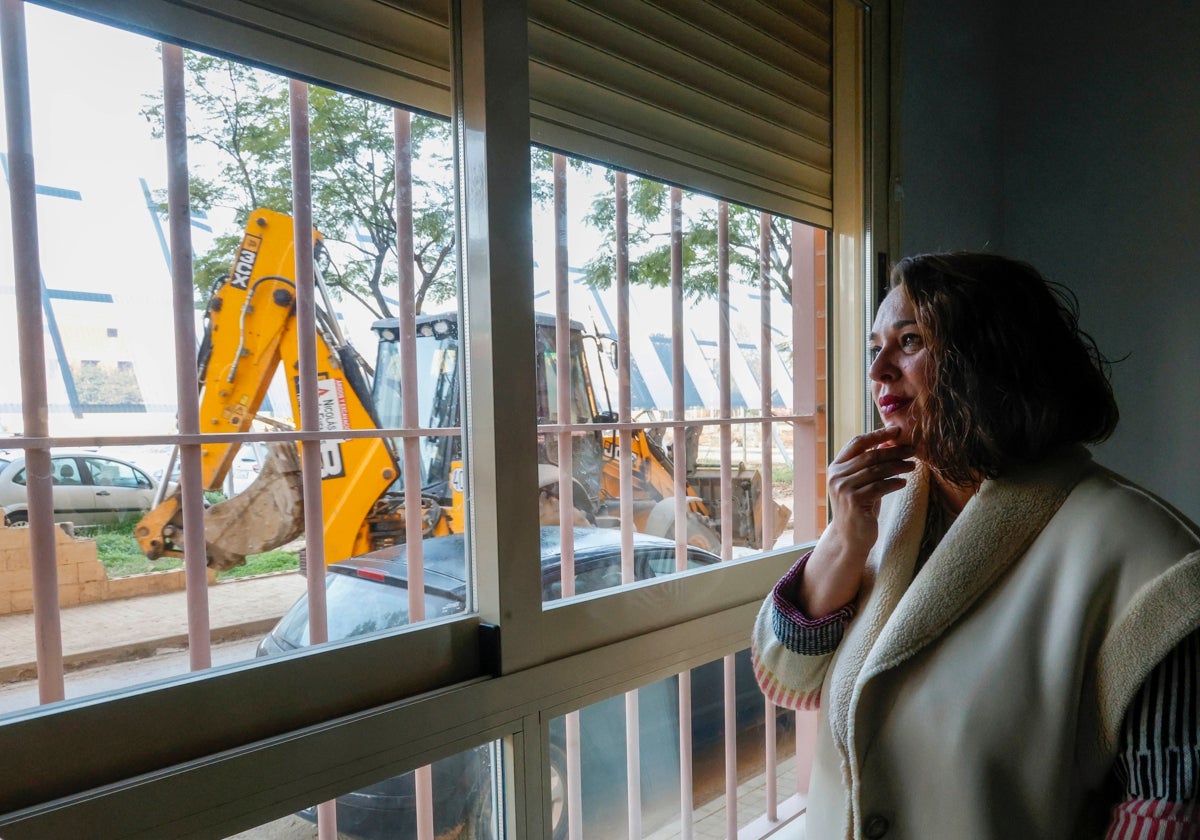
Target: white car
{"points": [[89, 489]]}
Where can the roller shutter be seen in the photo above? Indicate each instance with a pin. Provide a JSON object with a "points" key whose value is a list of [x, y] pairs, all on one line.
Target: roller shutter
{"points": [[731, 97]]}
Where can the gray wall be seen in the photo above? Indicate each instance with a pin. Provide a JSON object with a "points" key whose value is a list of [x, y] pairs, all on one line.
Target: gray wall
{"points": [[1090, 169]]}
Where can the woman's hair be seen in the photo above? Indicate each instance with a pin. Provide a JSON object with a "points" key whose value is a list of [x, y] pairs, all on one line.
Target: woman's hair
{"points": [[1013, 375]]}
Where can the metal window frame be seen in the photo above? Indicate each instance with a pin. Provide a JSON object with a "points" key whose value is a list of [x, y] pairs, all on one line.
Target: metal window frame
{"points": [[329, 740]]}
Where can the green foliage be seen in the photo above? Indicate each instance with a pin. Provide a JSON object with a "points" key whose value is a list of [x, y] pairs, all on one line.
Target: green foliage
{"points": [[650, 246], [242, 114], [106, 385], [261, 564], [118, 550]]}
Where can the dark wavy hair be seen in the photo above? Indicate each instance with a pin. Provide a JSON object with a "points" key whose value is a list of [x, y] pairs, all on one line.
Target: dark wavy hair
{"points": [[1013, 375]]}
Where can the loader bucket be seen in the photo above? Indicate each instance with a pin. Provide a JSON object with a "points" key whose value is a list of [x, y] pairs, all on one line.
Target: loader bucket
{"points": [[267, 514]]}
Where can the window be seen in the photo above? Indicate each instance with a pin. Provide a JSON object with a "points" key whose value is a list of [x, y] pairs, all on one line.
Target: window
{"points": [[663, 411], [108, 473], [65, 471]]}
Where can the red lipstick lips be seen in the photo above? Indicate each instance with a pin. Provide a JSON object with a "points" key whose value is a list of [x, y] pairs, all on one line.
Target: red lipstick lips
{"points": [[890, 403]]}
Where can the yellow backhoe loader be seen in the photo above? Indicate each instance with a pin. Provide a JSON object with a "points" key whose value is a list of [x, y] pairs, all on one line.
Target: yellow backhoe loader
{"points": [[250, 331]]}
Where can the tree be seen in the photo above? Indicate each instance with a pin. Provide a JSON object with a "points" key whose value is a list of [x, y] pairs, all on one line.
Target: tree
{"points": [[98, 384], [239, 117], [650, 245]]}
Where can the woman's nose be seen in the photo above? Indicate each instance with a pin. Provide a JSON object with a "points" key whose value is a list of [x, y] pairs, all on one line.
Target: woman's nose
{"points": [[882, 369]]}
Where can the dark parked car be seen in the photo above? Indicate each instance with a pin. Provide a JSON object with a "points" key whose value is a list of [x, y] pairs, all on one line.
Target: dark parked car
{"points": [[369, 593]]}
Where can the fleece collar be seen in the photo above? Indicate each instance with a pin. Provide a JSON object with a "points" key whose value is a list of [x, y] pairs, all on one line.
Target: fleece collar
{"points": [[898, 619]]}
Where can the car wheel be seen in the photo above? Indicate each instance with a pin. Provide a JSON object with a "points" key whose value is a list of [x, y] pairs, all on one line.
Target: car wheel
{"points": [[18, 519], [558, 792]]}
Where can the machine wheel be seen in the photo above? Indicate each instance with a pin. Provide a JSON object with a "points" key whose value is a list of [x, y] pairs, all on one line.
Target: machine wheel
{"points": [[661, 523], [700, 535], [17, 519]]}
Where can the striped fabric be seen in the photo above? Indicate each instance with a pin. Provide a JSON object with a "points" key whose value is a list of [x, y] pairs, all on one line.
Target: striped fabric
{"points": [[1154, 819], [796, 631], [779, 692], [1160, 753]]}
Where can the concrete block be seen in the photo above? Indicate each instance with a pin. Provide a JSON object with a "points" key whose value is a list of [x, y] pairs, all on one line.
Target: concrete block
{"points": [[128, 587], [15, 557], [91, 592], [22, 601], [68, 594], [65, 534], [68, 573], [91, 571], [11, 580], [77, 552]]}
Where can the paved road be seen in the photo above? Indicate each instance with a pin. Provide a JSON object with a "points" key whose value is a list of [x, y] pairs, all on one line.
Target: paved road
{"points": [[22, 695], [288, 828]]}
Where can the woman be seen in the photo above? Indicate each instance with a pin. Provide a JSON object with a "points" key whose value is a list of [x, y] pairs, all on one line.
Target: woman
{"points": [[1000, 634]]}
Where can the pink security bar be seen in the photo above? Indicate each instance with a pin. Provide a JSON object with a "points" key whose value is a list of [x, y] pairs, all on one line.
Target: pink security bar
{"points": [[804, 456], [678, 414], [768, 523], [808, 286], [410, 418], [179, 219], [22, 196], [726, 409], [633, 760], [310, 456], [566, 507]]}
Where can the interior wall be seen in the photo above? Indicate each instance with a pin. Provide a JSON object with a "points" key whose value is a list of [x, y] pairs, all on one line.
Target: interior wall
{"points": [[1094, 178], [950, 137]]}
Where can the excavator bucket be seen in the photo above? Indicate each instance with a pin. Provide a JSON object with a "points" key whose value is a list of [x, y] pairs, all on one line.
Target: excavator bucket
{"points": [[267, 514]]}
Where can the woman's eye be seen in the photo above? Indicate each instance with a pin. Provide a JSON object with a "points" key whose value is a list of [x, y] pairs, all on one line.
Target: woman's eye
{"points": [[872, 352], [910, 341]]}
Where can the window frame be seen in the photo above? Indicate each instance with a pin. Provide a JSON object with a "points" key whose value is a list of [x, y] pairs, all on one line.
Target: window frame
{"points": [[139, 779]]}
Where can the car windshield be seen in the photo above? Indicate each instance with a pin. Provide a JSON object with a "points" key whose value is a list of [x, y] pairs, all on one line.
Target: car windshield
{"points": [[357, 606]]}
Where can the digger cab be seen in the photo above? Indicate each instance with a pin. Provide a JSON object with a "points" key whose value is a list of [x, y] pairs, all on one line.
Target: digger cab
{"points": [[439, 372]]}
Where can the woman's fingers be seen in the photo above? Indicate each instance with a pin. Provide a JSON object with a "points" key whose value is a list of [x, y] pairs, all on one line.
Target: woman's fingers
{"points": [[868, 468], [868, 441], [877, 465], [873, 464]]}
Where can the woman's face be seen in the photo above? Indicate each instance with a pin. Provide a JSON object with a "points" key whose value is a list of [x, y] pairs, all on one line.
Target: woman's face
{"points": [[899, 365]]}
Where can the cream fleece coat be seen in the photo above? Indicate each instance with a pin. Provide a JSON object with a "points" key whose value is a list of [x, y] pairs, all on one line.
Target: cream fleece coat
{"points": [[984, 698]]}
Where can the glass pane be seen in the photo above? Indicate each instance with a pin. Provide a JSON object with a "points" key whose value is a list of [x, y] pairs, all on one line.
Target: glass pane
{"points": [[123, 615], [107, 304], [709, 362], [463, 805], [106, 301], [604, 742]]}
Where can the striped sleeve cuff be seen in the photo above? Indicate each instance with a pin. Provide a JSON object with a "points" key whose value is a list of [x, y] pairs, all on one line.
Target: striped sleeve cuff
{"points": [[1154, 819], [796, 631]]}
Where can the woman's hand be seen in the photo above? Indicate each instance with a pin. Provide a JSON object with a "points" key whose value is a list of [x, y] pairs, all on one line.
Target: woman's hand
{"points": [[868, 468]]}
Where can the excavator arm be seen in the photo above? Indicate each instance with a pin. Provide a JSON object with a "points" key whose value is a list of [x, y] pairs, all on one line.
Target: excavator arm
{"points": [[250, 332]]}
